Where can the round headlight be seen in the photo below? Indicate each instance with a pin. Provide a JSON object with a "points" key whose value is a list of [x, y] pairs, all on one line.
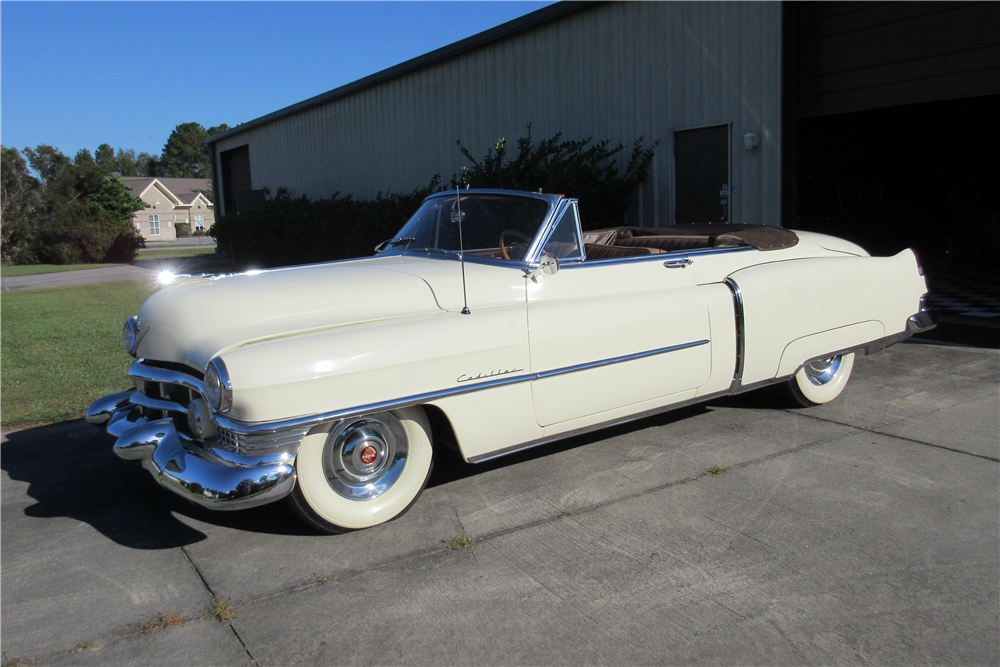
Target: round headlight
{"points": [[129, 332], [218, 387]]}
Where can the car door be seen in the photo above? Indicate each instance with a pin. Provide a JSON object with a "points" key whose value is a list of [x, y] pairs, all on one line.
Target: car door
{"points": [[612, 333]]}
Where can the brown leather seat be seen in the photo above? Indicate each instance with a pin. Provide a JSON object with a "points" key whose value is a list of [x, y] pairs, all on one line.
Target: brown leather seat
{"points": [[614, 252], [667, 243]]}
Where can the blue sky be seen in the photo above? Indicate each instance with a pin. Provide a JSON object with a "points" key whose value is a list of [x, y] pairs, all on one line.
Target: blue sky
{"points": [[78, 74]]}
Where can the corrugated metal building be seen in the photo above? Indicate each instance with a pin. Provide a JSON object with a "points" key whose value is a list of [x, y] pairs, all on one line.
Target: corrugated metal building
{"points": [[726, 87]]}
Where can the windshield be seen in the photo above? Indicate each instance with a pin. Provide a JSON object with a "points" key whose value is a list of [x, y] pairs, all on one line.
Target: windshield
{"points": [[485, 218]]}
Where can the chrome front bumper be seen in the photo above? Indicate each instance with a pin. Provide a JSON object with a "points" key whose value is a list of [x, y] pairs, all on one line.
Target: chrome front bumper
{"points": [[205, 475]]}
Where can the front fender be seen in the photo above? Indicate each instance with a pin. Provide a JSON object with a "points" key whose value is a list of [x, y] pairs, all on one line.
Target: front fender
{"points": [[374, 362]]}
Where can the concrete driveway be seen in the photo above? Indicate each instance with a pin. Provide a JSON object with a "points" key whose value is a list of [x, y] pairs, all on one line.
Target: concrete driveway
{"points": [[862, 532]]}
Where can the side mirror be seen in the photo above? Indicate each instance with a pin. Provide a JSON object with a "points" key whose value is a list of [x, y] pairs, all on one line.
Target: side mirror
{"points": [[548, 264]]}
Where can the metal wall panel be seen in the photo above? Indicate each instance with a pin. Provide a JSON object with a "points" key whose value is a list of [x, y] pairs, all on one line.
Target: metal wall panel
{"points": [[855, 56], [614, 71]]}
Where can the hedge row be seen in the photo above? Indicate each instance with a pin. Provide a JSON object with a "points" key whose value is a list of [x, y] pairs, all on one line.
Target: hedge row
{"points": [[287, 231]]}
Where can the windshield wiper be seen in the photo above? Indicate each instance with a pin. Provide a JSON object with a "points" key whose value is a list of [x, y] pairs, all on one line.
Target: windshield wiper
{"points": [[397, 242]]}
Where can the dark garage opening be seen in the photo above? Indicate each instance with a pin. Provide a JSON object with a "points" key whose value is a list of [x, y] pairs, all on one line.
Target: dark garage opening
{"points": [[922, 176]]}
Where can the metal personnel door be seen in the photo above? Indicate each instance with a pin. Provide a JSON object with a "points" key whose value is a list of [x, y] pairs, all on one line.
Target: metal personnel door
{"points": [[701, 174]]}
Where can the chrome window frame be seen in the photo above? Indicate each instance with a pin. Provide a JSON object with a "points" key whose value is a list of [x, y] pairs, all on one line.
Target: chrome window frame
{"points": [[561, 210]]}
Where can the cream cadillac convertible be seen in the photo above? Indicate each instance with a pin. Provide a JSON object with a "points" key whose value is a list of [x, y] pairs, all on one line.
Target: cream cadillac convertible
{"points": [[490, 324]]}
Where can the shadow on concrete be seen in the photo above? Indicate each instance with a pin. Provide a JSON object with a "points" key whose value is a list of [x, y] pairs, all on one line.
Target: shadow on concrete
{"points": [[450, 467], [71, 472]]}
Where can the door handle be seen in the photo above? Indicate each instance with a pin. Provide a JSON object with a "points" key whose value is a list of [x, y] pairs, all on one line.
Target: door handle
{"points": [[678, 263]]}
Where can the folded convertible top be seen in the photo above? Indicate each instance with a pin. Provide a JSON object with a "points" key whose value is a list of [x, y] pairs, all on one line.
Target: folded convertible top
{"points": [[761, 237]]}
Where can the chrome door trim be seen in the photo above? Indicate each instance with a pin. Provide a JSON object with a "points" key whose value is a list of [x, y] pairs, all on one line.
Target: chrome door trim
{"points": [[321, 422], [617, 360], [741, 342]]}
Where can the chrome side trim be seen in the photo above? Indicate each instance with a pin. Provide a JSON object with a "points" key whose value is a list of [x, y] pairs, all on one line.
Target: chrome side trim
{"points": [[310, 422], [325, 419], [617, 360], [740, 334], [596, 427], [867, 348]]}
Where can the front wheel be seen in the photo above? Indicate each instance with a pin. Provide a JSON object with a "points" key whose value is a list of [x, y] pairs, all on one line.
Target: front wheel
{"points": [[821, 381], [368, 470]]}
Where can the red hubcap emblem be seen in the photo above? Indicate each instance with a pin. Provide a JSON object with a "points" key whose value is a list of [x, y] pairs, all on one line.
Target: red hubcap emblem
{"points": [[368, 454]]}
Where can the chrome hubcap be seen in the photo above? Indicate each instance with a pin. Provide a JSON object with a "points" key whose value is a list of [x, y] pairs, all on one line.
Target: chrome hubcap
{"points": [[823, 371], [364, 456]]}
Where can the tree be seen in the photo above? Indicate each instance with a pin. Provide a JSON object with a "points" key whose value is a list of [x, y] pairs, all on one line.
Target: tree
{"points": [[18, 192], [116, 199], [105, 159], [47, 161], [184, 154], [83, 156], [218, 129], [148, 165], [77, 213]]}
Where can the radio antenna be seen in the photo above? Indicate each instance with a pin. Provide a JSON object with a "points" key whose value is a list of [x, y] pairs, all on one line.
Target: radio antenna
{"points": [[461, 250]]}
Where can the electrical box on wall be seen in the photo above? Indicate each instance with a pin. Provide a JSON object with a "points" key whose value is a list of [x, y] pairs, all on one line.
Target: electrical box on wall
{"points": [[750, 141]]}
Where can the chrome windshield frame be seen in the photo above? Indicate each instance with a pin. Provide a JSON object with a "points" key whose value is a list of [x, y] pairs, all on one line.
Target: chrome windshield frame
{"points": [[556, 204]]}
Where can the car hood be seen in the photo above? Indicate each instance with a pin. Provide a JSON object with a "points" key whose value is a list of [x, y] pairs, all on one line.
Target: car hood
{"points": [[190, 322]]}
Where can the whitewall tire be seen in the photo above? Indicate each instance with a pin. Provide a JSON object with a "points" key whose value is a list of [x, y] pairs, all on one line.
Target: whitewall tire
{"points": [[821, 381], [368, 470]]}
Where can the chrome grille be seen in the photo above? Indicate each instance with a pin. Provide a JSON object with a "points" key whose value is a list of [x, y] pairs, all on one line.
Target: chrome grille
{"points": [[165, 393], [259, 443]]}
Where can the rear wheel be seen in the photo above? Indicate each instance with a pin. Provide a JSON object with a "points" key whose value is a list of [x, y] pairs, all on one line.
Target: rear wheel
{"points": [[368, 470], [821, 381]]}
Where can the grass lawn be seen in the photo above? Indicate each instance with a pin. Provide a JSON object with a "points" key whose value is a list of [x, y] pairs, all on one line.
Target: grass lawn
{"points": [[144, 254], [35, 269], [61, 349]]}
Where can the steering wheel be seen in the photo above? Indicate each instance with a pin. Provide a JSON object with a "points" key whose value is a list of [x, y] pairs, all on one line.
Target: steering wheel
{"points": [[517, 235]]}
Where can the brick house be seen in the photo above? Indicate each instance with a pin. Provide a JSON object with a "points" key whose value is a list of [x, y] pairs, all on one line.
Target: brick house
{"points": [[170, 201]]}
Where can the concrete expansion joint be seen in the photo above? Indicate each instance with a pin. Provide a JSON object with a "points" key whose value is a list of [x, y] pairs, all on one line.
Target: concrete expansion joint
{"points": [[873, 431], [354, 572], [216, 601]]}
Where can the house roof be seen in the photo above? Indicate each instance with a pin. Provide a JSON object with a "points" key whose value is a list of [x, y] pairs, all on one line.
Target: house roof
{"points": [[186, 190], [522, 24]]}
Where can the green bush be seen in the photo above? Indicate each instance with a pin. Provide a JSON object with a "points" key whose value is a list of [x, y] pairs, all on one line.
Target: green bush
{"points": [[72, 214], [77, 233], [575, 168], [183, 229], [286, 231]]}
